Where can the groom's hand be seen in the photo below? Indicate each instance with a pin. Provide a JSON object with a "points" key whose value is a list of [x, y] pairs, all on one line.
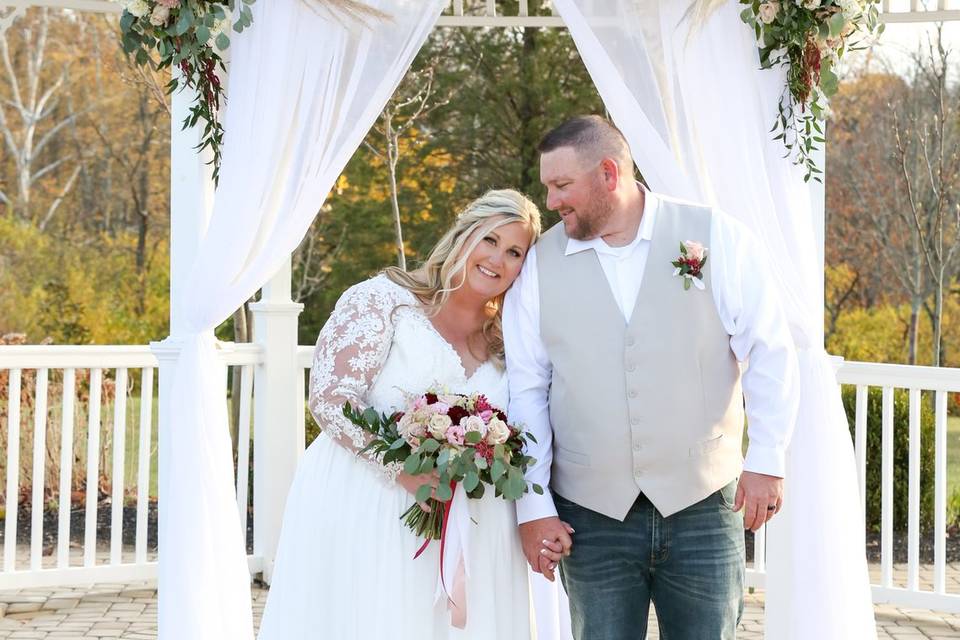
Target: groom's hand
{"points": [[545, 540], [755, 493]]}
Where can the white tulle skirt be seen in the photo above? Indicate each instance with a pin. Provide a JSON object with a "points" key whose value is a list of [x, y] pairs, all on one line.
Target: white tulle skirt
{"points": [[345, 569]]}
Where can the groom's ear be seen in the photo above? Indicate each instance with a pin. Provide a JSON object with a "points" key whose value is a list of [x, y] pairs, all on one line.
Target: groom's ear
{"points": [[610, 172]]}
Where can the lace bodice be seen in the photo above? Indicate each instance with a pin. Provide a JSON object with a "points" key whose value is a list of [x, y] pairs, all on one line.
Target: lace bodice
{"points": [[377, 347]]}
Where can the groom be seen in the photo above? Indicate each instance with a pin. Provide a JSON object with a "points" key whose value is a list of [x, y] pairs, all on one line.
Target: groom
{"points": [[626, 368]]}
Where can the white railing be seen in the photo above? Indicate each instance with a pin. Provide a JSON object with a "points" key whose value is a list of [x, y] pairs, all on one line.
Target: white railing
{"points": [[60, 405], [35, 373], [918, 587]]}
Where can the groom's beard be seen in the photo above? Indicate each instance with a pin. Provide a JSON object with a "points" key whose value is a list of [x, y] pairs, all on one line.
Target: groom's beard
{"points": [[591, 222]]}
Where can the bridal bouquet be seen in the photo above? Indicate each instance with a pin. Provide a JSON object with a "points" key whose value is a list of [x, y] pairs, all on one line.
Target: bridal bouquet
{"points": [[809, 37], [465, 439]]}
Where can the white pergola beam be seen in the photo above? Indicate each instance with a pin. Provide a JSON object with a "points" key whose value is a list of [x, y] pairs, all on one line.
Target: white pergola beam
{"points": [[459, 15]]}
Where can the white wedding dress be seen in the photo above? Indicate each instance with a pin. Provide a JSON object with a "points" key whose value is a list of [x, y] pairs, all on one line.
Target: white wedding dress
{"points": [[345, 568]]}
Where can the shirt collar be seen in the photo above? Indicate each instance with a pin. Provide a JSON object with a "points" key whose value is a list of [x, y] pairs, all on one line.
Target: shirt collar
{"points": [[645, 232]]}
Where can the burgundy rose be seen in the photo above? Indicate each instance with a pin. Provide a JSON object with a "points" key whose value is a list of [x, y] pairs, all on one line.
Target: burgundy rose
{"points": [[432, 399], [457, 413]]}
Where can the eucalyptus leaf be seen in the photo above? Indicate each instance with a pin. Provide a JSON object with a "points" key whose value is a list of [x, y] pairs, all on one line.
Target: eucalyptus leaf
{"points": [[423, 492], [471, 481], [444, 492], [412, 464]]}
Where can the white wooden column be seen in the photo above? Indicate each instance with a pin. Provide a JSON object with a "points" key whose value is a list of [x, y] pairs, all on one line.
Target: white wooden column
{"points": [[277, 442], [191, 205]]}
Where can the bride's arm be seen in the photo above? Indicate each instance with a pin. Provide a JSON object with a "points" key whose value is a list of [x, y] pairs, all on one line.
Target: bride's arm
{"points": [[350, 352]]}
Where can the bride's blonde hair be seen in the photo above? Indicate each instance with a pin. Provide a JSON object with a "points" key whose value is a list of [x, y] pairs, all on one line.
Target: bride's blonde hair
{"points": [[433, 281]]}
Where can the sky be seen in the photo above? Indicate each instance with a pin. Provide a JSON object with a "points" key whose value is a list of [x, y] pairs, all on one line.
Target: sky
{"points": [[899, 40]]}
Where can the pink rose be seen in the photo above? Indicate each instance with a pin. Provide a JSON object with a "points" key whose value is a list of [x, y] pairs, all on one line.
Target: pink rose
{"points": [[419, 403], [455, 435], [439, 407], [486, 415], [695, 250]]}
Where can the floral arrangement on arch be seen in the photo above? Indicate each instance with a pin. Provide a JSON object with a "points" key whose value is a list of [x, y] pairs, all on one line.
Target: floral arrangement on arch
{"points": [[809, 37], [190, 35]]}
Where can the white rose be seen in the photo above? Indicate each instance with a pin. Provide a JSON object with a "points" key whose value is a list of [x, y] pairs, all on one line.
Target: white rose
{"points": [[159, 16], [810, 4], [138, 8], [438, 425], [409, 426], [849, 8], [769, 11], [473, 423], [497, 431]]}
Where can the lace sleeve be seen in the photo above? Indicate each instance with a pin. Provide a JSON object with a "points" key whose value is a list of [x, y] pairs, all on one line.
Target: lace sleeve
{"points": [[350, 352]]}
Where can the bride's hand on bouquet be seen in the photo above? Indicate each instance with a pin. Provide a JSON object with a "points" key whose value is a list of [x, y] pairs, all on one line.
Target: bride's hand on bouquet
{"points": [[411, 483]]}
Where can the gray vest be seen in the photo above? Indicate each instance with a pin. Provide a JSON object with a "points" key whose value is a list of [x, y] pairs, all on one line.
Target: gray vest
{"points": [[653, 405]]}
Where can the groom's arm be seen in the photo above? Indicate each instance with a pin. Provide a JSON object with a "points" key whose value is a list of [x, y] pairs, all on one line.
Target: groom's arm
{"points": [[543, 536], [529, 371], [751, 308]]}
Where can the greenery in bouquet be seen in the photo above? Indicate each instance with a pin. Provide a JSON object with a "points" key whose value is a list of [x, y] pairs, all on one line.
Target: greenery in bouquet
{"points": [[464, 439], [809, 37]]}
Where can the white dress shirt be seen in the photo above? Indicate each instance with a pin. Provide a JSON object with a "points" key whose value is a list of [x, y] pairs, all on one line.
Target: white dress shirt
{"points": [[749, 308]]}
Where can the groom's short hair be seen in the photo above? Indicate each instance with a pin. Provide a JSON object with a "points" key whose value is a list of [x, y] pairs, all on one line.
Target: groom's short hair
{"points": [[592, 137]]}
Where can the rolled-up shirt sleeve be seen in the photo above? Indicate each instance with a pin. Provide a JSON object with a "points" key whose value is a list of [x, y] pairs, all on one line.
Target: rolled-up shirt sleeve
{"points": [[750, 308], [529, 372]]}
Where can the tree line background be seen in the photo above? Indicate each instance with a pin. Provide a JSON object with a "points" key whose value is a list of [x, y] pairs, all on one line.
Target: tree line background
{"points": [[84, 184], [84, 196]]}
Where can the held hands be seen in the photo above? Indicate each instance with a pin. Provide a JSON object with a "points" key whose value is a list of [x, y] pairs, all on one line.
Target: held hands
{"points": [[545, 541], [755, 493]]}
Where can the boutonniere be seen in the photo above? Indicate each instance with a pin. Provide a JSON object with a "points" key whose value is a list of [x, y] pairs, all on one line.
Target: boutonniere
{"points": [[689, 264]]}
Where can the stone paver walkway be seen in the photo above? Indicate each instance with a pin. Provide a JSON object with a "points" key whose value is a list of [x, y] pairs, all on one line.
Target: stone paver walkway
{"points": [[130, 611]]}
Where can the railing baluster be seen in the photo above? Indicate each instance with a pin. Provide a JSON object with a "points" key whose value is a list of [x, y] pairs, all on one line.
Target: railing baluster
{"points": [[760, 550], [243, 445], [93, 470], [13, 472], [66, 468], [886, 498], [524, 9], [913, 526], [458, 7], [491, 8], [143, 462], [940, 495], [119, 442], [39, 459], [860, 444]]}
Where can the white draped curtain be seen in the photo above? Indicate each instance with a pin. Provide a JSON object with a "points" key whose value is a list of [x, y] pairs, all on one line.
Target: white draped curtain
{"points": [[686, 90], [305, 87]]}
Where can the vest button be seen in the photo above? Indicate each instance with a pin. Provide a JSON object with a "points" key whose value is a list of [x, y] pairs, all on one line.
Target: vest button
{"points": [[632, 368], [633, 393], [636, 447], [634, 421], [631, 342]]}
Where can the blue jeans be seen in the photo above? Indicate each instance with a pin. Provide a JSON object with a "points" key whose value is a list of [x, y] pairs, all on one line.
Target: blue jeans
{"points": [[690, 564]]}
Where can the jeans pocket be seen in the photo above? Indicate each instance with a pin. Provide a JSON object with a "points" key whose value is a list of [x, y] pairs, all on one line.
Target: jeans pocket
{"points": [[728, 494]]}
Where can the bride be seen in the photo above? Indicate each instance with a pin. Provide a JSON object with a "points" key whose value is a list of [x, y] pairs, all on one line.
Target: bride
{"points": [[345, 568]]}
